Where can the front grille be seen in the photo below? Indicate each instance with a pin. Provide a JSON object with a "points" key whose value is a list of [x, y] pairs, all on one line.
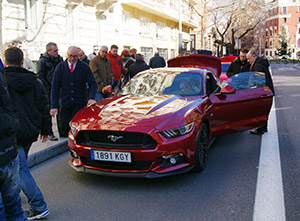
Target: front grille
{"points": [[136, 165], [115, 139]]}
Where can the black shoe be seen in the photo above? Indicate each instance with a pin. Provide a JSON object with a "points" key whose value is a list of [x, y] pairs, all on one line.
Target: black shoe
{"points": [[33, 214], [53, 138], [259, 131]]}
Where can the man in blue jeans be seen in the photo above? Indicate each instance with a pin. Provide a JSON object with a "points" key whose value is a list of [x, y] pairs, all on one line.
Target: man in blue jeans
{"points": [[10, 201], [30, 105]]}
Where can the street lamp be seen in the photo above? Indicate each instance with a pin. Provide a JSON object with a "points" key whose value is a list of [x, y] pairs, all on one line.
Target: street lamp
{"points": [[258, 37]]}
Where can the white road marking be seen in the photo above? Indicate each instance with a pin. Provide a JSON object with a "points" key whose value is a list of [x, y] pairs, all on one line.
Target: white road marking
{"points": [[269, 198]]}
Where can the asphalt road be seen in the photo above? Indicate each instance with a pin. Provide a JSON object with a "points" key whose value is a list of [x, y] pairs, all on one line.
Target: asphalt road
{"points": [[225, 190], [287, 88]]}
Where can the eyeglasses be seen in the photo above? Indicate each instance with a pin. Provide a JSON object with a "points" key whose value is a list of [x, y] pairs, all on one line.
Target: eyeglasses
{"points": [[104, 52], [72, 56]]}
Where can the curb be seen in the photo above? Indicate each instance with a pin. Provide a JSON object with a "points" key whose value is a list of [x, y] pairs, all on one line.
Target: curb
{"points": [[47, 153]]}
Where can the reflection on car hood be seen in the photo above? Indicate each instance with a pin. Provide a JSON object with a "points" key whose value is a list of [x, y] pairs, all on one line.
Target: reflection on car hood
{"points": [[129, 112]]}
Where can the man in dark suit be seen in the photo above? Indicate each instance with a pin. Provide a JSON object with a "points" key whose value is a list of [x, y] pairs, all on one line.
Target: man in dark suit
{"points": [[259, 64], [69, 84]]}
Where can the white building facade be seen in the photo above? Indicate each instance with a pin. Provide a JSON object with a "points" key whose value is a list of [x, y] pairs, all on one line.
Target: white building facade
{"points": [[147, 25]]}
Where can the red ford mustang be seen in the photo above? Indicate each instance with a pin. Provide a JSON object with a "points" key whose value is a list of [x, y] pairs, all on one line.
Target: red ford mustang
{"points": [[163, 121]]}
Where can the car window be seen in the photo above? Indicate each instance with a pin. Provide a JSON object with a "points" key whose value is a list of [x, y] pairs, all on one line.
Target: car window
{"points": [[247, 80], [224, 67], [177, 83]]}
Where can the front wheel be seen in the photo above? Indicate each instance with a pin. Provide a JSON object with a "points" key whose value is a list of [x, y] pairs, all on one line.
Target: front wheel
{"points": [[201, 149]]}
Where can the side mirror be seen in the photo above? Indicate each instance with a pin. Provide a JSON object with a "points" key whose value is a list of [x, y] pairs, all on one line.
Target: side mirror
{"points": [[226, 90]]}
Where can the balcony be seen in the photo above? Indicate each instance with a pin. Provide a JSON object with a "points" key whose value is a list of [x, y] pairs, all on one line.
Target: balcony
{"points": [[165, 9]]}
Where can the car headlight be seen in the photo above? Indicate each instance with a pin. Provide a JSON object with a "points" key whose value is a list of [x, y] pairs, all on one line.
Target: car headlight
{"points": [[178, 131], [73, 128]]}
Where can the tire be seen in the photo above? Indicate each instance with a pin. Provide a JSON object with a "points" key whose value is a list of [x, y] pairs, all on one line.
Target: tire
{"points": [[201, 149]]}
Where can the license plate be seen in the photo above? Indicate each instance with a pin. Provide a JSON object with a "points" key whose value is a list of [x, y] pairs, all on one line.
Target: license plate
{"points": [[113, 156]]}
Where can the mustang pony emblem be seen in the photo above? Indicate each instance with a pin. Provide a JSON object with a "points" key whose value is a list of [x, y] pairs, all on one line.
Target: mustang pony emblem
{"points": [[114, 138]]}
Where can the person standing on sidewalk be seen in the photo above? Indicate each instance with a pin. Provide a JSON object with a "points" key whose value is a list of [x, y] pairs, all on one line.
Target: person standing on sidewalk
{"points": [[117, 67], [47, 64], [30, 105], [10, 201], [70, 80], [101, 68], [157, 61]]}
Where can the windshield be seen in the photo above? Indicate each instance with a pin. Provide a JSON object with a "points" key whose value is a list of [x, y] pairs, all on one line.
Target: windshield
{"points": [[177, 83]]}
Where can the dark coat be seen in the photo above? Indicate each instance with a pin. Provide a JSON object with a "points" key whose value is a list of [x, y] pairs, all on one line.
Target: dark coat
{"points": [[137, 67], [237, 66], [46, 67], [70, 87], [30, 103], [262, 65], [157, 62], [8, 125]]}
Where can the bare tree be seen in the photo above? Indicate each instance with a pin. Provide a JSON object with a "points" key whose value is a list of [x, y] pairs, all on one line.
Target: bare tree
{"points": [[234, 18]]}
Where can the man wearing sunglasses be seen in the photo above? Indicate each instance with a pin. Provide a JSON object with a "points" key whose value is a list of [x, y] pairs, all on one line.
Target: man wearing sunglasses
{"points": [[47, 64]]}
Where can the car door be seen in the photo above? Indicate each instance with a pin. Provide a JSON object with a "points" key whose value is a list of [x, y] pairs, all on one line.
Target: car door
{"points": [[246, 108]]}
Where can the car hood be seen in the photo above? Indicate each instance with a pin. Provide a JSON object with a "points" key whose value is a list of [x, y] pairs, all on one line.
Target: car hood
{"points": [[132, 111]]}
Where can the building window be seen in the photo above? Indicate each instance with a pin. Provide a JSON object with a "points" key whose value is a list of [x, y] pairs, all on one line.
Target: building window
{"points": [[271, 11], [267, 53], [298, 43], [126, 18], [147, 52], [276, 11], [271, 32], [267, 33], [284, 20], [160, 30], [299, 8], [270, 53], [173, 53], [163, 52], [144, 26], [283, 10], [266, 44], [275, 30], [31, 9], [270, 43]]}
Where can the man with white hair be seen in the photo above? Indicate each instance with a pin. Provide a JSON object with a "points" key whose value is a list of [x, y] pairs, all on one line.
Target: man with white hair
{"points": [[102, 70], [69, 86], [259, 64]]}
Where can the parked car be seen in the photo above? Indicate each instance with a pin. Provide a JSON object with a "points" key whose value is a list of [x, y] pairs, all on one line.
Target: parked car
{"points": [[163, 120], [225, 62]]}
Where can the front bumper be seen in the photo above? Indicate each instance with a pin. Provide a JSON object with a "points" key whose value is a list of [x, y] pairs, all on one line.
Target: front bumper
{"points": [[81, 169]]}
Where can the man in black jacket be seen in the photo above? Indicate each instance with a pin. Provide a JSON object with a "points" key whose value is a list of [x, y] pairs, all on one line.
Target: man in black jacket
{"points": [[31, 106], [10, 201], [157, 61], [259, 64], [47, 64], [239, 65], [137, 66]]}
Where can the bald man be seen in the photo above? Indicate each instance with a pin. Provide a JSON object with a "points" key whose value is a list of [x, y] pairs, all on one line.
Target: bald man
{"points": [[69, 86]]}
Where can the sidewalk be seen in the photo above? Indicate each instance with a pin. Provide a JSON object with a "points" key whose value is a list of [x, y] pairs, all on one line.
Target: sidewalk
{"points": [[40, 152]]}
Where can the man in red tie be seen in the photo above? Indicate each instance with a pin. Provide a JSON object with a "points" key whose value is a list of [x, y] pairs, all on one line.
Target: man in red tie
{"points": [[69, 86]]}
